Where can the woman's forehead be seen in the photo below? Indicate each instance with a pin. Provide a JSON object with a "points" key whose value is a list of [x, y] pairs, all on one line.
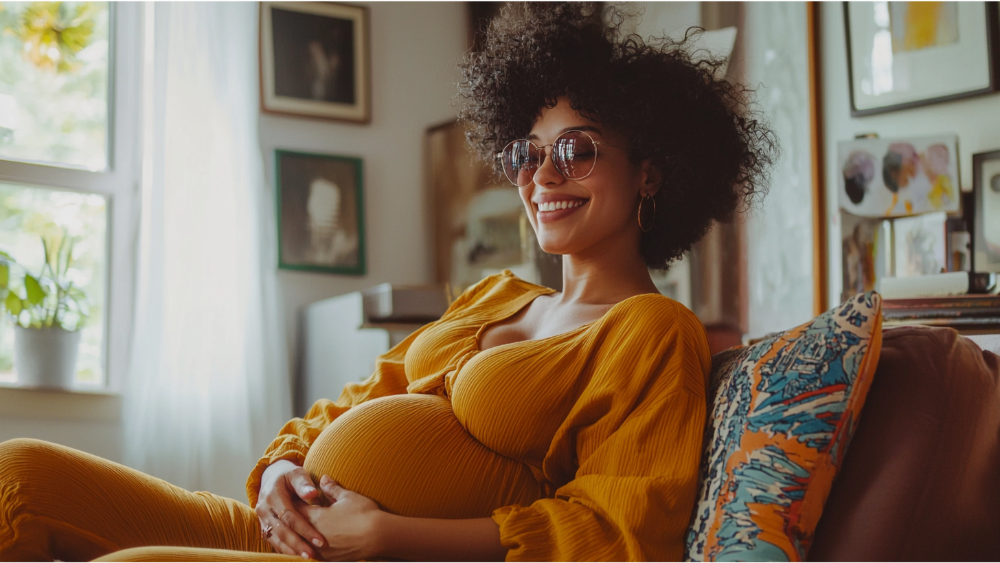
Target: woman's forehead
{"points": [[556, 120]]}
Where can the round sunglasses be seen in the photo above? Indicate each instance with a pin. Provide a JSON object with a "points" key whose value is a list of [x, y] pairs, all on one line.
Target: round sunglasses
{"points": [[574, 154]]}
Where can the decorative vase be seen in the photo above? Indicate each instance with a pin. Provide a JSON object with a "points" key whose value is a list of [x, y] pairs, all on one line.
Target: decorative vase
{"points": [[45, 357]]}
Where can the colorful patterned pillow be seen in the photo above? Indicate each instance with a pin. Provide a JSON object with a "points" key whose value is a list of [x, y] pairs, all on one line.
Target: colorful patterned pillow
{"points": [[784, 412]]}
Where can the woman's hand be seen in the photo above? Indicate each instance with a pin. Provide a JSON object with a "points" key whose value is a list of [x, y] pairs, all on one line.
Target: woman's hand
{"points": [[349, 524], [285, 490]]}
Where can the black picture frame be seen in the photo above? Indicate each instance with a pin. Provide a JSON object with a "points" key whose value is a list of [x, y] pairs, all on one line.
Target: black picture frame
{"points": [[315, 60], [985, 258], [992, 47], [320, 212]]}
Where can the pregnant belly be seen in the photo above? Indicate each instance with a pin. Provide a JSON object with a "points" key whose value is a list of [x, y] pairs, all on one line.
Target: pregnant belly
{"points": [[410, 454]]}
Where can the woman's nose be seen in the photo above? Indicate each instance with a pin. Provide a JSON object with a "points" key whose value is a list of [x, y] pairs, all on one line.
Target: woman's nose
{"points": [[547, 174]]}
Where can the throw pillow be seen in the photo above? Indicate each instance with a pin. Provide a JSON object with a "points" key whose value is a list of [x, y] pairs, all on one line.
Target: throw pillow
{"points": [[783, 413]]}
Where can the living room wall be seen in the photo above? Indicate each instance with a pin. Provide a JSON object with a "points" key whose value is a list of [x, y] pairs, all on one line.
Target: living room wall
{"points": [[414, 51], [974, 120]]}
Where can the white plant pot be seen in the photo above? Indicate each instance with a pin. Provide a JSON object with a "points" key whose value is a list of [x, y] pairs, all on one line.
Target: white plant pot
{"points": [[45, 357]]}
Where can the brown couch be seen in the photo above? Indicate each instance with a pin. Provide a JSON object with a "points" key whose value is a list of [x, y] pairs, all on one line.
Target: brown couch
{"points": [[921, 480]]}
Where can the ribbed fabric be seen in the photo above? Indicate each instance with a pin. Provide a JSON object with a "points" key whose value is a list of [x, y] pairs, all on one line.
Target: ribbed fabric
{"points": [[60, 503], [581, 446]]}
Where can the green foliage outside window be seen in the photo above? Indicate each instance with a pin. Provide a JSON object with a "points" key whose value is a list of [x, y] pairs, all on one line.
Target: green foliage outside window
{"points": [[54, 79]]}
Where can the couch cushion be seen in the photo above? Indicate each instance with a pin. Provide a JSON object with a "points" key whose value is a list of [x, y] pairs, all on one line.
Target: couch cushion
{"points": [[922, 480], [783, 413]]}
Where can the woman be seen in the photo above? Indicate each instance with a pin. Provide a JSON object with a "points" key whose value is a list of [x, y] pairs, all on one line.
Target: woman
{"points": [[526, 423]]}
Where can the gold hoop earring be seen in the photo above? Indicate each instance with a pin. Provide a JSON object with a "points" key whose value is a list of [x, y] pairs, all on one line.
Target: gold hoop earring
{"points": [[652, 219]]}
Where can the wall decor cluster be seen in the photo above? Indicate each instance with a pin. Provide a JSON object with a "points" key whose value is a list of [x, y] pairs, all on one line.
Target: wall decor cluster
{"points": [[320, 203], [314, 59], [896, 196], [908, 54], [986, 190]]}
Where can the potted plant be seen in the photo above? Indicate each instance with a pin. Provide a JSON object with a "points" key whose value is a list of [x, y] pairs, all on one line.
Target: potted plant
{"points": [[47, 312]]}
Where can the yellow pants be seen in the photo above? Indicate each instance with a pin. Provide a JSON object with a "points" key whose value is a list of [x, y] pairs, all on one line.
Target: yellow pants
{"points": [[60, 503]]}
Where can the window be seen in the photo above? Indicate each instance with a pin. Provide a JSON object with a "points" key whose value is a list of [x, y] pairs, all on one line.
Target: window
{"points": [[28, 214], [54, 82], [70, 88]]}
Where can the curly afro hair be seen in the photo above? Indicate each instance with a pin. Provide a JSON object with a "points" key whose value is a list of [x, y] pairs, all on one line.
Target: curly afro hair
{"points": [[713, 148]]}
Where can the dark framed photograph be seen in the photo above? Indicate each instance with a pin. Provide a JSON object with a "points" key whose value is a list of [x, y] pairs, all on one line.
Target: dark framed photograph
{"points": [[986, 190], [321, 220], [314, 60], [907, 54]]}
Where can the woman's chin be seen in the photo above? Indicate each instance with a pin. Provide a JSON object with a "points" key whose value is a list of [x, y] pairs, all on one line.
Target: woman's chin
{"points": [[550, 248], [556, 241]]}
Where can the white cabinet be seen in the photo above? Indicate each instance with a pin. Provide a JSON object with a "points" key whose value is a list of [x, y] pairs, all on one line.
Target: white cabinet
{"points": [[344, 335]]}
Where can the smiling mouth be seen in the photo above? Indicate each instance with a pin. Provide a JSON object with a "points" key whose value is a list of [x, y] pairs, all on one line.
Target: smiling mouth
{"points": [[555, 210], [558, 205]]}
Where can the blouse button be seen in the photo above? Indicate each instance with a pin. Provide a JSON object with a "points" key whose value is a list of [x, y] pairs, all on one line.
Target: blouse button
{"points": [[508, 273]]}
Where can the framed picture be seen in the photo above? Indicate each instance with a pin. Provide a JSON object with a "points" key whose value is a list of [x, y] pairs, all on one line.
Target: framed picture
{"points": [[919, 245], [986, 189], [898, 177], [314, 60], [908, 54], [321, 220]]}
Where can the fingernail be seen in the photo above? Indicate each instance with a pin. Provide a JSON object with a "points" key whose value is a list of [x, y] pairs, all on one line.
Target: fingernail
{"points": [[317, 543], [308, 490], [305, 555]]}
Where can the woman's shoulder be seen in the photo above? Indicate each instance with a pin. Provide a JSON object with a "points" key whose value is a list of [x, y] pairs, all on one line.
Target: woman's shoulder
{"points": [[649, 310], [660, 338], [497, 289]]}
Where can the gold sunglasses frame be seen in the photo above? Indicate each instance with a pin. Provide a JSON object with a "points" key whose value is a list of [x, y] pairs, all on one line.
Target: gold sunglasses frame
{"points": [[548, 154]]}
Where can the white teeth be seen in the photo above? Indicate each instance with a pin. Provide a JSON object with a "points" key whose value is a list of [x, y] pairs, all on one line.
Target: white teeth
{"points": [[556, 205]]}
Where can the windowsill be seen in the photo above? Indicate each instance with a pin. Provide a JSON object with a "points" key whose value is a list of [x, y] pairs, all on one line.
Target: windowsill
{"points": [[93, 404]]}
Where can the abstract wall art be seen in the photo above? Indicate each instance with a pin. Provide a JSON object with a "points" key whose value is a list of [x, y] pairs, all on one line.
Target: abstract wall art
{"points": [[898, 177], [907, 54]]}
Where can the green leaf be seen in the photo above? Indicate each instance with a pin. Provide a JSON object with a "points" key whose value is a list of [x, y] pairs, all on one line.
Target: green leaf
{"points": [[67, 255], [4, 275], [35, 292], [5, 255], [13, 304]]}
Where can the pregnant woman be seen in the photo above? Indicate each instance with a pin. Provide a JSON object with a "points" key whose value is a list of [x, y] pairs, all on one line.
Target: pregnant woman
{"points": [[524, 424]]}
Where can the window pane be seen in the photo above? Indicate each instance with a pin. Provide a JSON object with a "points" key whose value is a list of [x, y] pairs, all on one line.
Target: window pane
{"points": [[54, 82], [26, 215]]}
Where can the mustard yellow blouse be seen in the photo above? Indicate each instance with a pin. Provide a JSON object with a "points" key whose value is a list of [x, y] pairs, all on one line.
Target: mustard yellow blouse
{"points": [[581, 446]]}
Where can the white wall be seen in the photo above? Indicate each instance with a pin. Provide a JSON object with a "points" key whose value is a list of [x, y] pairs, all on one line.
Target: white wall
{"points": [[976, 121], [90, 422], [662, 18], [415, 50], [779, 234]]}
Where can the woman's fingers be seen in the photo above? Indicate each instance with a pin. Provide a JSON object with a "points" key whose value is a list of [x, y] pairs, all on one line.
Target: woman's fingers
{"points": [[291, 519], [331, 488], [292, 543], [300, 482]]}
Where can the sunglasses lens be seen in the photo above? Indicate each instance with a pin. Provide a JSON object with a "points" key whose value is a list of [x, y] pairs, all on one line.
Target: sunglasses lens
{"points": [[574, 154], [520, 160]]}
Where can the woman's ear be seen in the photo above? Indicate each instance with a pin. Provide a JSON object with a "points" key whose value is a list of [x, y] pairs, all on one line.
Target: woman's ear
{"points": [[651, 178]]}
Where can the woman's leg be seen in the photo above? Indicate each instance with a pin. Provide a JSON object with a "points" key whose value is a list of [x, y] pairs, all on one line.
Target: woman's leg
{"points": [[60, 503], [175, 554]]}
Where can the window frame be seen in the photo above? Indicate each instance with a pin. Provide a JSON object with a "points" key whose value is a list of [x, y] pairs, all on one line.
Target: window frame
{"points": [[119, 183]]}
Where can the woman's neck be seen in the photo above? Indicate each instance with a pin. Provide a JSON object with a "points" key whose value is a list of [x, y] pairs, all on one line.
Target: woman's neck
{"points": [[605, 275]]}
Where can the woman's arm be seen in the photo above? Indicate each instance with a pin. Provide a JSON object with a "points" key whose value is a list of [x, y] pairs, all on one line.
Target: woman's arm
{"points": [[355, 529]]}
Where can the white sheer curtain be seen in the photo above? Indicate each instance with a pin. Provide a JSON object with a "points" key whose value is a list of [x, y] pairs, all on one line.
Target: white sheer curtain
{"points": [[207, 386]]}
